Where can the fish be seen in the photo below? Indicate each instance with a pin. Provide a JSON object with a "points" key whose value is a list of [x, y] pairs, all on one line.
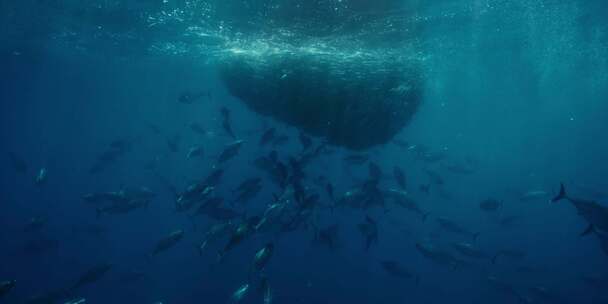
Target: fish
{"points": [[438, 256], [267, 294], [534, 195], [168, 242], [262, 257], [194, 194], [444, 194], [459, 167], [468, 250], [369, 230], [238, 235], [190, 98], [92, 275], [123, 208], [307, 156], [214, 233], [431, 157], [395, 269], [122, 196], [105, 197], [197, 128], [41, 178], [400, 178], [248, 189], [297, 170], [18, 163], [77, 301], [226, 125], [214, 178], [366, 196], [230, 151], [403, 199], [248, 194], [593, 213], [327, 237], [270, 164], [35, 223], [509, 220], [280, 175], [240, 293], [248, 184], [6, 287], [510, 254], [490, 205], [267, 137], [196, 151], [453, 227], [209, 204], [140, 193]]}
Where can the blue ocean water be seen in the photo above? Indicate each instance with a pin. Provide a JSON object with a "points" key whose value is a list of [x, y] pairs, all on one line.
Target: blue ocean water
{"points": [[102, 98]]}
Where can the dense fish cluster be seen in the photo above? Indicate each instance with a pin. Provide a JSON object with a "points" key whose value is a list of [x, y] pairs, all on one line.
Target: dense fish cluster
{"points": [[292, 192]]}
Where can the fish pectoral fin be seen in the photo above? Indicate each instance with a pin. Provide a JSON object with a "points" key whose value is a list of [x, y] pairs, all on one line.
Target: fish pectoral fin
{"points": [[588, 230]]}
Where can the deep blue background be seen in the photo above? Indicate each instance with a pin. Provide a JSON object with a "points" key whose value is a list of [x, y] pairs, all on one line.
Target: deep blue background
{"points": [[522, 89]]}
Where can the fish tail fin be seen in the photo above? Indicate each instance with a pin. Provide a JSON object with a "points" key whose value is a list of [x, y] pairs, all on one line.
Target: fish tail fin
{"points": [[562, 194], [475, 236]]}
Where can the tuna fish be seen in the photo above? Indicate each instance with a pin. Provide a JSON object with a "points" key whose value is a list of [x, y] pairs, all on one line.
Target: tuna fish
{"points": [[6, 287], [92, 275], [168, 242], [453, 227]]}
